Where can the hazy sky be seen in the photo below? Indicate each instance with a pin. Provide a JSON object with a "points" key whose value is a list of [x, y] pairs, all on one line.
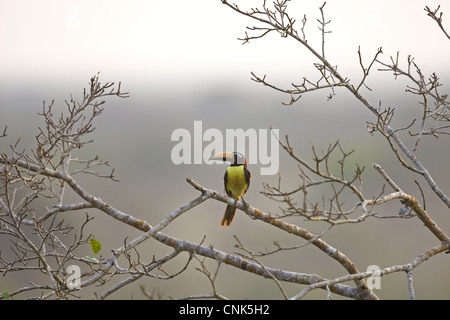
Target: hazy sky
{"points": [[195, 39]]}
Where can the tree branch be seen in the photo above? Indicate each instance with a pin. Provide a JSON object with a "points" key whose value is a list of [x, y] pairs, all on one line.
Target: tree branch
{"points": [[434, 16]]}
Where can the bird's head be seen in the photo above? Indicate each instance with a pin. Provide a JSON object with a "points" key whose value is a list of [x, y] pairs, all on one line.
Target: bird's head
{"points": [[235, 158]]}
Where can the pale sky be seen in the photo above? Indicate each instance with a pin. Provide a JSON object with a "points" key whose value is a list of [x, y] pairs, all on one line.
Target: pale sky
{"points": [[167, 39]]}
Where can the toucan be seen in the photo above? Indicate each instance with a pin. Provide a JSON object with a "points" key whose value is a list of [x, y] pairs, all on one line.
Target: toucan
{"points": [[236, 180]]}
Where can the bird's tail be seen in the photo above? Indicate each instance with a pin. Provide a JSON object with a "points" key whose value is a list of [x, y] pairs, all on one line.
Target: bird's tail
{"points": [[228, 217]]}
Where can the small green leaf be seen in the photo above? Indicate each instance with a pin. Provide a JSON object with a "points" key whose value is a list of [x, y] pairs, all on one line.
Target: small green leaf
{"points": [[5, 295], [96, 246]]}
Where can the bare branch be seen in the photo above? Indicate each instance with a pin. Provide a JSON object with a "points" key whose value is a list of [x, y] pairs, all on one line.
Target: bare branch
{"points": [[396, 268], [275, 21], [434, 15], [253, 257]]}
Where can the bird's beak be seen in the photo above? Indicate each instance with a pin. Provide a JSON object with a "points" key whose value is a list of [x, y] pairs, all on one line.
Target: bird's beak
{"points": [[223, 156]]}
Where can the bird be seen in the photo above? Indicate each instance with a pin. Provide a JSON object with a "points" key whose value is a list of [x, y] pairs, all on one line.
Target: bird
{"points": [[236, 181]]}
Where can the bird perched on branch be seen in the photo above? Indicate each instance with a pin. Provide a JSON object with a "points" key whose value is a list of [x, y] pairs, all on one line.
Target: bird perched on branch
{"points": [[236, 180]]}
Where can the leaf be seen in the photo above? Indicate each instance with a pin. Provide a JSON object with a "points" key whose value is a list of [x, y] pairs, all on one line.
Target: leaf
{"points": [[96, 246], [5, 295]]}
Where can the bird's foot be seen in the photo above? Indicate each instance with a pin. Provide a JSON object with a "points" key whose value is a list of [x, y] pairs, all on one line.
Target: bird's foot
{"points": [[245, 203]]}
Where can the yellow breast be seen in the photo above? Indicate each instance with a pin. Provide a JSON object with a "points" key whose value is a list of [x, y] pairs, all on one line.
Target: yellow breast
{"points": [[236, 181]]}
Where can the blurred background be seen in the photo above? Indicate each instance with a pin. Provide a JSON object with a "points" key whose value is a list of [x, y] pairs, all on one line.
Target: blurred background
{"points": [[181, 61]]}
